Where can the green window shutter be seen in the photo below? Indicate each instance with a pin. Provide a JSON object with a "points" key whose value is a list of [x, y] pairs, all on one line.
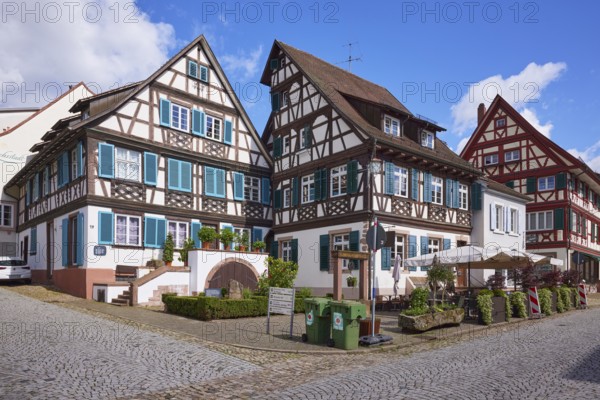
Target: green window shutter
{"points": [[412, 246], [27, 193], [105, 227], [275, 249], [238, 186], [415, 184], [352, 172], [48, 180], [386, 258], [449, 193], [294, 245], [228, 135], [193, 69], [275, 102], [150, 169], [277, 147], [35, 189], [274, 63], [33, 242], [173, 175], [389, 178], [209, 181], [323, 183], [295, 192], [531, 183], [277, 199], [427, 187], [317, 180], [266, 191], [106, 162], [561, 180], [65, 242], [79, 159], [354, 239], [198, 118], [447, 244], [559, 218], [165, 112], [194, 233], [476, 196], [220, 182], [424, 245], [79, 245], [324, 252], [510, 184], [203, 74]]}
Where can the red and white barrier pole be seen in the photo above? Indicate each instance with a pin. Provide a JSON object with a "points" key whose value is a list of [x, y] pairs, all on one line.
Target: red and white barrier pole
{"points": [[582, 296], [534, 303]]}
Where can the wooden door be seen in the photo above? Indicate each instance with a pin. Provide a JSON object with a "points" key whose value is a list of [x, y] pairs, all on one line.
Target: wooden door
{"points": [[233, 270]]}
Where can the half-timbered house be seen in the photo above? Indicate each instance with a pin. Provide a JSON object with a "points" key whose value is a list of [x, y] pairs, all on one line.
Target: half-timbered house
{"points": [[164, 155], [563, 218], [346, 151]]}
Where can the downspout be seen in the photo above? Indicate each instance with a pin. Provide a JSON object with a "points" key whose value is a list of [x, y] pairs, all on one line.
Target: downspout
{"points": [[370, 209]]}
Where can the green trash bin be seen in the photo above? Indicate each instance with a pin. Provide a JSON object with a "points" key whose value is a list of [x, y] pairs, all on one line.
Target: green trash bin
{"points": [[344, 323], [318, 324]]}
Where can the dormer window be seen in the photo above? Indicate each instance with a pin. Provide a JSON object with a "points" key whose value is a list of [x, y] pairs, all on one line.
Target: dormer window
{"points": [[427, 139], [85, 115], [391, 126]]}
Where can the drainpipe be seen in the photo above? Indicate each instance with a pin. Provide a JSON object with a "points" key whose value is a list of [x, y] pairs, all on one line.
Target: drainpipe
{"points": [[371, 264]]}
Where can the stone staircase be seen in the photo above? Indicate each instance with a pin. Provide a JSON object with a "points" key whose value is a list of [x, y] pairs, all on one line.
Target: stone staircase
{"points": [[156, 299], [122, 300]]}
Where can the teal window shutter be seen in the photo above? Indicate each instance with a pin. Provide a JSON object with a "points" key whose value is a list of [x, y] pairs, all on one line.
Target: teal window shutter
{"points": [[456, 199], [238, 186], [352, 172], [447, 244], [33, 243], [257, 234], [531, 184], [150, 232], [195, 228], [186, 176], [449, 193], [203, 73], [476, 196], [209, 181], [193, 69], [317, 180], [412, 246], [559, 218], [427, 187], [47, 180], [179, 175], [79, 245], [510, 184], [275, 101], [294, 246], [165, 112], [354, 245], [35, 189], [198, 120], [150, 168], [275, 249], [424, 245], [415, 184], [277, 199], [105, 227], [266, 191], [295, 192], [65, 242], [106, 161], [79, 159], [161, 232], [277, 147], [173, 176], [27, 193], [228, 134], [389, 178], [561, 180], [63, 169], [274, 63], [323, 183], [386, 258], [324, 252], [220, 182]]}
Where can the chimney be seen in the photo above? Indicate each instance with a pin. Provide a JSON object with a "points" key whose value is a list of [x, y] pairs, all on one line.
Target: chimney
{"points": [[480, 113]]}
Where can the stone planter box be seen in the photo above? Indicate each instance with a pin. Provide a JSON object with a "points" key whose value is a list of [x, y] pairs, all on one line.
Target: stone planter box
{"points": [[426, 322], [498, 311]]}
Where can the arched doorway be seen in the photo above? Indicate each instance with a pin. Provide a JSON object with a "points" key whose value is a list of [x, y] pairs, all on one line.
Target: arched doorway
{"points": [[221, 274]]}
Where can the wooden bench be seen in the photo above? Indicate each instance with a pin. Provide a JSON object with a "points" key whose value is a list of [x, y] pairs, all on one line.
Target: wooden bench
{"points": [[125, 273]]}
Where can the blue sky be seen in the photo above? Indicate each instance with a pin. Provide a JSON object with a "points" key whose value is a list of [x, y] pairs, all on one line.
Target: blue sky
{"points": [[439, 58]]}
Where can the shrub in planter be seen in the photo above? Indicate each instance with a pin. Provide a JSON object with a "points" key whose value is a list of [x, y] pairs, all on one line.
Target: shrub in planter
{"points": [[507, 305], [566, 297], [259, 245], [183, 253], [545, 296], [517, 301], [207, 235], [168, 248], [419, 297], [304, 292], [484, 304], [226, 237], [560, 305]]}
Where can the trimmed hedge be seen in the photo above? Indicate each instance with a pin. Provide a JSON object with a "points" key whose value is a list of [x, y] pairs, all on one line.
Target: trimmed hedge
{"points": [[209, 308]]}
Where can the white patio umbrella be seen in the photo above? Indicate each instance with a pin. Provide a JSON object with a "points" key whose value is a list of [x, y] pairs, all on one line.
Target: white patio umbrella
{"points": [[456, 255], [396, 274]]}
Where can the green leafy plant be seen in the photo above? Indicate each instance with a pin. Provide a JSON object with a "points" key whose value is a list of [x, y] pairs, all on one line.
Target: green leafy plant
{"points": [[560, 305], [187, 246], [566, 296], [351, 281], [259, 245], [243, 240], [416, 311], [545, 296], [168, 249], [247, 293], [486, 292], [226, 237], [484, 304], [419, 297], [517, 300], [224, 292], [207, 235], [279, 273], [304, 292], [439, 275]]}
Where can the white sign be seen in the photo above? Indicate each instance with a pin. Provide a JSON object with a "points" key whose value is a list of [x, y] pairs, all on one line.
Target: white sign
{"points": [[310, 317], [281, 301], [338, 321]]}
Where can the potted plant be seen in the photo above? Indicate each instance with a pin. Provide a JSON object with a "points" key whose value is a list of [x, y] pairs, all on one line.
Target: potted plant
{"points": [[168, 249], [259, 246], [351, 281], [226, 237], [207, 236], [243, 241], [187, 246]]}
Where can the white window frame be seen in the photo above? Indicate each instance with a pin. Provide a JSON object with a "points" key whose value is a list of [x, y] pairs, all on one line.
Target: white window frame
{"points": [[427, 139], [304, 138], [180, 117], [399, 246], [341, 241], [391, 126], [176, 228], [286, 145], [128, 162], [512, 155], [3, 209], [128, 220], [339, 181], [547, 218], [433, 245], [240, 232], [285, 99], [287, 197], [308, 189], [437, 186], [214, 128], [286, 250], [401, 181], [544, 183], [490, 159], [251, 188], [513, 221], [463, 196], [499, 217]]}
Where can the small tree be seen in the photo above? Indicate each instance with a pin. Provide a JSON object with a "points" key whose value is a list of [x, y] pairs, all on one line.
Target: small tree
{"points": [[552, 279], [571, 277], [226, 236], [496, 281], [187, 246], [243, 240], [279, 273], [168, 249], [441, 276]]}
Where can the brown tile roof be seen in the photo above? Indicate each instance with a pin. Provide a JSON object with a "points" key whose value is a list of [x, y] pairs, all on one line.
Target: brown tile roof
{"points": [[81, 103]]}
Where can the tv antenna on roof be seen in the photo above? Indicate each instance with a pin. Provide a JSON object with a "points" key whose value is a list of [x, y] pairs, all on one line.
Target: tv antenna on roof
{"points": [[350, 58]]}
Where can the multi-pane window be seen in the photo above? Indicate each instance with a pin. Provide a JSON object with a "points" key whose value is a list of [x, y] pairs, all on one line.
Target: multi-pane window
{"points": [[308, 189], [463, 196], [286, 250], [127, 230], [391, 126], [540, 221], [512, 155], [342, 242], [546, 183], [490, 159], [251, 188], [305, 138], [338, 181], [499, 217], [513, 221], [427, 139], [6, 212], [501, 122], [436, 190], [433, 245], [287, 197], [400, 181], [180, 117], [398, 249], [214, 128], [127, 163], [179, 231]]}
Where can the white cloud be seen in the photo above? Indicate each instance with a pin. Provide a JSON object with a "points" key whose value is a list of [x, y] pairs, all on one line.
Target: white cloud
{"points": [[243, 65], [591, 156], [45, 46], [519, 90], [461, 145], [533, 119]]}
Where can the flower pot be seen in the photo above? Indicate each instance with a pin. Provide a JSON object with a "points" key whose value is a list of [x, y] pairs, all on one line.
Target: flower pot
{"points": [[206, 245], [242, 248], [168, 263]]}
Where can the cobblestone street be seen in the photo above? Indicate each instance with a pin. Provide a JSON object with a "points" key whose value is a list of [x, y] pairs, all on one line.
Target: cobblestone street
{"points": [[49, 351]]}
